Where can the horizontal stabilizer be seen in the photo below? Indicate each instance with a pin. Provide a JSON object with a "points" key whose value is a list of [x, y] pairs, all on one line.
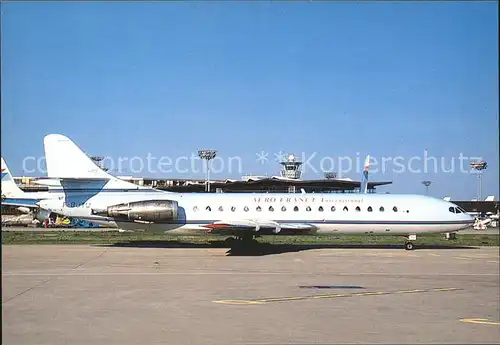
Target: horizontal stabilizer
{"points": [[32, 203]]}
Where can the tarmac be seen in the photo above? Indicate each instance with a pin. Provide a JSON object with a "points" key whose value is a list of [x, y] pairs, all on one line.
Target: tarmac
{"points": [[81, 294]]}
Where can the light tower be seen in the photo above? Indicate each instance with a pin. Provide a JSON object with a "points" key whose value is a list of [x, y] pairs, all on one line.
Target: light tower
{"points": [[207, 155], [479, 166], [426, 183]]}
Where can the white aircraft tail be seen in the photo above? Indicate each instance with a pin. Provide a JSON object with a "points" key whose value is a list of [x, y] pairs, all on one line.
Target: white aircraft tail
{"points": [[490, 198], [65, 160], [9, 186], [447, 198]]}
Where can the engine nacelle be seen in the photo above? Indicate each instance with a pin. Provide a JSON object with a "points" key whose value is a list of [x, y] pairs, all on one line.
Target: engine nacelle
{"points": [[150, 211]]}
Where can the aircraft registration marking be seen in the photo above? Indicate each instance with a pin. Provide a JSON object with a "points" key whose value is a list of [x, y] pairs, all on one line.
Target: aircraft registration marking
{"points": [[356, 294]]}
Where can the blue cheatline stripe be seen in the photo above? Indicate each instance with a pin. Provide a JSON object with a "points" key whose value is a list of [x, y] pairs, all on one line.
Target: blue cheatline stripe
{"points": [[310, 222]]}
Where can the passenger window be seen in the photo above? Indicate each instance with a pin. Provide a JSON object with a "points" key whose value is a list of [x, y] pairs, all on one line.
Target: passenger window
{"points": [[233, 208], [451, 209], [195, 209], [259, 209], [271, 209], [320, 209], [283, 209], [295, 208], [208, 208], [308, 208], [358, 208], [346, 209], [395, 209], [332, 209], [370, 209], [381, 209], [246, 209], [221, 209]]}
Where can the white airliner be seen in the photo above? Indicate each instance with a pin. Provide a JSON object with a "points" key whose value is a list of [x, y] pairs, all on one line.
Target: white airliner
{"points": [[90, 193]]}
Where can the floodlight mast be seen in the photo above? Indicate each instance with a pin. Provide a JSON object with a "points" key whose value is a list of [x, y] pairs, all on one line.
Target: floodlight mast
{"points": [[426, 183], [479, 166], [207, 155]]}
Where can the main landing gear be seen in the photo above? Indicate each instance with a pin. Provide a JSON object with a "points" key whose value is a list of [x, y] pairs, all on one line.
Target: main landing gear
{"points": [[409, 244], [240, 241]]}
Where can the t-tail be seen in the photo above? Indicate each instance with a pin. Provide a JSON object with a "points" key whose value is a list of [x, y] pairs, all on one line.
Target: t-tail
{"points": [[364, 181]]}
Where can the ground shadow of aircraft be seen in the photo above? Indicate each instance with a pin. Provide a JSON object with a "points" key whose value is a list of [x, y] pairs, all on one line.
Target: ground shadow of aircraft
{"points": [[260, 249]]}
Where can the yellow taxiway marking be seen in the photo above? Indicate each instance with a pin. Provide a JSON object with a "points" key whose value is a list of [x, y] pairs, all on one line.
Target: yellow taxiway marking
{"points": [[480, 321], [356, 294]]}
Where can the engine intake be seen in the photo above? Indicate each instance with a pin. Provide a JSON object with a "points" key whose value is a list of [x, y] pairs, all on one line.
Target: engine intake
{"points": [[151, 211]]}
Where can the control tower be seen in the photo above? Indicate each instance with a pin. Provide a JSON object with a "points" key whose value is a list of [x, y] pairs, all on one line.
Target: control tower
{"points": [[291, 168]]}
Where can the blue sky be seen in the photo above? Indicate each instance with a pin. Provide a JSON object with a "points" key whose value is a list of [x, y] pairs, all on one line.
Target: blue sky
{"points": [[321, 79]]}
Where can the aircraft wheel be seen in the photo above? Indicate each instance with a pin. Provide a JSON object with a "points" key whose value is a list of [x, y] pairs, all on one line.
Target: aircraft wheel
{"points": [[230, 242], [409, 246]]}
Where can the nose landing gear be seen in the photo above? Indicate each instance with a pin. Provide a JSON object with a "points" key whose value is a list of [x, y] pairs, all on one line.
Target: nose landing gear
{"points": [[409, 244]]}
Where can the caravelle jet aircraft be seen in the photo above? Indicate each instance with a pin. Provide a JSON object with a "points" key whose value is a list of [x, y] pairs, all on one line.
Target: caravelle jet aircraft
{"points": [[89, 193]]}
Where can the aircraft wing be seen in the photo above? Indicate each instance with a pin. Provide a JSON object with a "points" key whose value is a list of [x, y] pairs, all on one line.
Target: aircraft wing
{"points": [[239, 227]]}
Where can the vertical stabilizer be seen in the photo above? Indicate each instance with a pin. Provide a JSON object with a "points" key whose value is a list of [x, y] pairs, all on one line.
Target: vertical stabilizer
{"points": [[65, 160], [9, 186]]}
